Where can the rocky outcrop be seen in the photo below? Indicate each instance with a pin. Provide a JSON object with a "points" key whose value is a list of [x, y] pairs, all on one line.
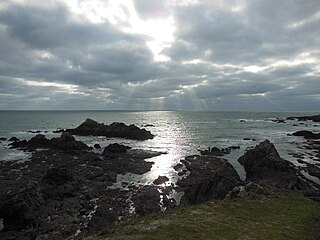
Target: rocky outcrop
{"points": [[264, 165], [115, 148], [209, 178], [58, 192], [314, 118], [65, 142], [307, 134], [116, 129]]}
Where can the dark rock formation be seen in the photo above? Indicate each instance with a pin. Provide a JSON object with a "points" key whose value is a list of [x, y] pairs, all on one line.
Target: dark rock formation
{"points": [[58, 192], [209, 178], [115, 148], [307, 134], [14, 139], [160, 180], [97, 146], [264, 165], [313, 170], [315, 118], [65, 142], [3, 139], [116, 129], [214, 151], [17, 209]]}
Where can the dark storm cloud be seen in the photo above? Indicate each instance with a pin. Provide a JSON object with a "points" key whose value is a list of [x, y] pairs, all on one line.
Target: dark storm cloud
{"points": [[225, 55]]}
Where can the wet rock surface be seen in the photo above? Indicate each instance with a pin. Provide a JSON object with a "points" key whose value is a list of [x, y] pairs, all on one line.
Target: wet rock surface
{"points": [[60, 192], [307, 134], [116, 129], [314, 118], [210, 178]]}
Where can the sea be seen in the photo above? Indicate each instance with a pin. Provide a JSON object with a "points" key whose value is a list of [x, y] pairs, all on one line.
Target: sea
{"points": [[177, 134]]}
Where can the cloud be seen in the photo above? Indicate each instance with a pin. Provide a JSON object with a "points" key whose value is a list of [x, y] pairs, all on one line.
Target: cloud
{"points": [[222, 55]]}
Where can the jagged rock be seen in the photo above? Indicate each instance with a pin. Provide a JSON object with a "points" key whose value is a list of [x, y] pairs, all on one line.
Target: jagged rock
{"points": [[307, 134], [116, 129], [315, 118], [39, 140], [3, 139], [65, 142], [115, 148], [160, 180], [209, 178], [14, 139], [264, 165]]}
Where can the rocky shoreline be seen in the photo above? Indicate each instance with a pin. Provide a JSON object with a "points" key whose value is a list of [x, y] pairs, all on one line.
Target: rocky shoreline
{"points": [[66, 188]]}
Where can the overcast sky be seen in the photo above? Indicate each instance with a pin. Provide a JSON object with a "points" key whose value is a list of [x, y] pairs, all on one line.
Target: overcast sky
{"points": [[160, 54]]}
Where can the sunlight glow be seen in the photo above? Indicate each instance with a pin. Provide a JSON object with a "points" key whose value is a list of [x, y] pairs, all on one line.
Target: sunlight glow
{"points": [[158, 32]]}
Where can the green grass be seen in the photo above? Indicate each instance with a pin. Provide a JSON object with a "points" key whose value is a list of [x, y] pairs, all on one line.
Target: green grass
{"points": [[283, 216]]}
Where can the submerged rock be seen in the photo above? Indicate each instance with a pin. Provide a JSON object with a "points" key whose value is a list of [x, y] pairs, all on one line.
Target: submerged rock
{"points": [[116, 129], [209, 178]]}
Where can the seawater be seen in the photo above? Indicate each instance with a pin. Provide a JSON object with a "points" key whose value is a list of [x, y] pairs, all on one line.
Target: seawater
{"points": [[178, 133]]}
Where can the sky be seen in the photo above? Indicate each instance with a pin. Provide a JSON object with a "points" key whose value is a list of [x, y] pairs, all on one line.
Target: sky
{"points": [[160, 55]]}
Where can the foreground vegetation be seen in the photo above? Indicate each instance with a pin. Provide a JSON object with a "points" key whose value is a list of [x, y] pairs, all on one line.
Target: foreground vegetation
{"points": [[282, 216]]}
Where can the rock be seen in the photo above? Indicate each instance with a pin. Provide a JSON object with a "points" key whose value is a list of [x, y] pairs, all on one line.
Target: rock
{"points": [[315, 118], [115, 148], [18, 208], [97, 146], [39, 140], [148, 125], [246, 139], [278, 120], [14, 139], [160, 180], [217, 151], [307, 134], [116, 129], [264, 165], [67, 142], [147, 200], [250, 190], [178, 166], [242, 120], [57, 176], [3, 139], [209, 178], [313, 170]]}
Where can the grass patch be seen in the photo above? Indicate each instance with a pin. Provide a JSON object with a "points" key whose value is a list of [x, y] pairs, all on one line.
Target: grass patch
{"points": [[285, 216]]}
